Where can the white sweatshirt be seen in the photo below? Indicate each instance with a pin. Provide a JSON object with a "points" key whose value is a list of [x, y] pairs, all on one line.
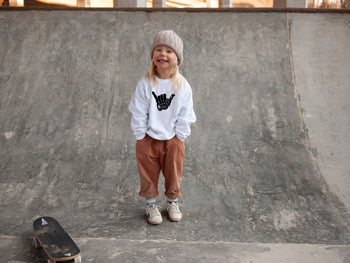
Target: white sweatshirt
{"points": [[160, 112]]}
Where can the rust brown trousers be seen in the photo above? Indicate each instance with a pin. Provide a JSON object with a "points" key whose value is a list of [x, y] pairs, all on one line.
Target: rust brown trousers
{"points": [[154, 156]]}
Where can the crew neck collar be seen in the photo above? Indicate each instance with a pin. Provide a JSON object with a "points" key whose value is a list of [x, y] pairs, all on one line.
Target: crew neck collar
{"points": [[162, 80]]}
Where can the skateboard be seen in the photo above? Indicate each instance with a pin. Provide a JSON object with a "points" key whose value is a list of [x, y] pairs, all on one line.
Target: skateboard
{"points": [[55, 241]]}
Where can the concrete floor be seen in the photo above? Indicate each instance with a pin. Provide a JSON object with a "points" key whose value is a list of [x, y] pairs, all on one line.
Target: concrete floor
{"points": [[15, 249], [266, 175]]}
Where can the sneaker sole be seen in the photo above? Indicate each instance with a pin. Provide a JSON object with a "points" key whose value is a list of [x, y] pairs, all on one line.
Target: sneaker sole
{"points": [[155, 223], [175, 219]]}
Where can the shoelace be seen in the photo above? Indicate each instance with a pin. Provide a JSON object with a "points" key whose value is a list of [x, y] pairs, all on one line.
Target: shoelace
{"points": [[173, 207], [153, 210]]}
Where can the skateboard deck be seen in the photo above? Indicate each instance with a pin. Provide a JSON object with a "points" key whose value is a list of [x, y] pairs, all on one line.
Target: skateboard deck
{"points": [[55, 241]]}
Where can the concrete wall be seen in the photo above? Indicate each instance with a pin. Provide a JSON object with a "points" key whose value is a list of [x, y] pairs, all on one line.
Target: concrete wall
{"points": [[66, 80], [322, 61]]}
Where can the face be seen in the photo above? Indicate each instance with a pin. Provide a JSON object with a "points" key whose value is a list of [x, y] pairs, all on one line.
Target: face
{"points": [[164, 58]]}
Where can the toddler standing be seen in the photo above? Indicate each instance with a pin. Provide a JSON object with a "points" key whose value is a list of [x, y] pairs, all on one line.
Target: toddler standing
{"points": [[162, 112]]}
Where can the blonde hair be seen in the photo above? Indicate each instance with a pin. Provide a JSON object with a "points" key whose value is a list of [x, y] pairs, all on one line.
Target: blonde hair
{"points": [[175, 75]]}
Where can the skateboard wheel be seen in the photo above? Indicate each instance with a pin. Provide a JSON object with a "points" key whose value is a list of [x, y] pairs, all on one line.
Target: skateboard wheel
{"points": [[35, 243], [77, 260]]}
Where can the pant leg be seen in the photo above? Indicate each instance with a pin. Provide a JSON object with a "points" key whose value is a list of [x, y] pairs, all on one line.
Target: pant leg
{"points": [[148, 166], [172, 166]]}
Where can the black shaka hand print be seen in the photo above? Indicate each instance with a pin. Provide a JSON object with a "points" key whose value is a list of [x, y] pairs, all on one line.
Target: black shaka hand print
{"points": [[163, 102]]}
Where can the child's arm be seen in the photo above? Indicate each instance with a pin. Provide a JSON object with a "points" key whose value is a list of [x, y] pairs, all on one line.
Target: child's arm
{"points": [[186, 116], [139, 107]]}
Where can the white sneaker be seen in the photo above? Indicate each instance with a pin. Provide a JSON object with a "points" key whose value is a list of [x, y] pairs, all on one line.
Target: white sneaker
{"points": [[174, 212], [153, 215]]}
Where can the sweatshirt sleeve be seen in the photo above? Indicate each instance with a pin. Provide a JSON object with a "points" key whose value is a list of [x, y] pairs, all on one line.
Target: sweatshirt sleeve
{"points": [[186, 115], [139, 107]]}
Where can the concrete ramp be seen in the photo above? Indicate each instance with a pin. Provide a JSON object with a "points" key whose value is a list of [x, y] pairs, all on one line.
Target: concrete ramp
{"points": [[256, 169]]}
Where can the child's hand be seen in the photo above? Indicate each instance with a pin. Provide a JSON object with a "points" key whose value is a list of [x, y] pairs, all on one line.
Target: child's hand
{"points": [[162, 102]]}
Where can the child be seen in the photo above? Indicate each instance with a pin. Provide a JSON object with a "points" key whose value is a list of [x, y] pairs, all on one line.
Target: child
{"points": [[162, 111]]}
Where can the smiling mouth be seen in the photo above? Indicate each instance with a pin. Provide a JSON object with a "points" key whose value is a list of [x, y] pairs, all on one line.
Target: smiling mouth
{"points": [[162, 60]]}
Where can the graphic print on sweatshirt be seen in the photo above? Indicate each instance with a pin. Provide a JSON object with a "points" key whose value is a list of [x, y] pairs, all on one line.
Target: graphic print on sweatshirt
{"points": [[163, 102]]}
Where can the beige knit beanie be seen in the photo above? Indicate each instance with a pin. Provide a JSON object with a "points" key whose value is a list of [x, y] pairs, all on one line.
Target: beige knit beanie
{"points": [[171, 39]]}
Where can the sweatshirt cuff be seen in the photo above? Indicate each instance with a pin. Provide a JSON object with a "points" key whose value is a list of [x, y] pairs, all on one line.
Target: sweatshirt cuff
{"points": [[181, 138], [140, 137]]}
